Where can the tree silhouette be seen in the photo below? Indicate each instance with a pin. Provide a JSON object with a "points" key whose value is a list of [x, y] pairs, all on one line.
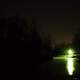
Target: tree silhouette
{"points": [[76, 40], [15, 46], [23, 47]]}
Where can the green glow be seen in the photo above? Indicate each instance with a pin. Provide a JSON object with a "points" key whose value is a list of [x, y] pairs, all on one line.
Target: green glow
{"points": [[62, 57], [68, 57], [70, 62], [70, 66], [70, 52]]}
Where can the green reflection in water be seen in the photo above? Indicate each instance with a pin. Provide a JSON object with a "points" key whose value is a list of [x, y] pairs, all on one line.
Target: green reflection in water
{"points": [[70, 62], [70, 66]]}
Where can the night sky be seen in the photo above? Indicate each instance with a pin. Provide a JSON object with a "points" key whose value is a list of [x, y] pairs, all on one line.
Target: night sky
{"points": [[58, 19]]}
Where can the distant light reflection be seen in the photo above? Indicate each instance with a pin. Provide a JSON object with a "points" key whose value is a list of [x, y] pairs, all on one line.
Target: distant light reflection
{"points": [[70, 66], [70, 62], [69, 59]]}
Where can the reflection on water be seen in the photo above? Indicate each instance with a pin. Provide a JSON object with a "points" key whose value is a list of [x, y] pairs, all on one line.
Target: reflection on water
{"points": [[70, 66], [70, 62], [67, 65]]}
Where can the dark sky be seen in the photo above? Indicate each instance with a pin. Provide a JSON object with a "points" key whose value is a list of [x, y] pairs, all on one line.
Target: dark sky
{"points": [[59, 19]]}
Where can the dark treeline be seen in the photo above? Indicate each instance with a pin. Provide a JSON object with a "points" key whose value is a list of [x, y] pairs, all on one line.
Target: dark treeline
{"points": [[21, 48], [76, 43]]}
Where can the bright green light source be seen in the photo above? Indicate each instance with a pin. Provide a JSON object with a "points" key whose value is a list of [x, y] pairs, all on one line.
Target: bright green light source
{"points": [[70, 52], [70, 60]]}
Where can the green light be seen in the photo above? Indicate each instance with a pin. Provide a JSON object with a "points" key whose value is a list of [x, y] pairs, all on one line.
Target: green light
{"points": [[70, 66], [70, 52], [68, 57], [70, 62]]}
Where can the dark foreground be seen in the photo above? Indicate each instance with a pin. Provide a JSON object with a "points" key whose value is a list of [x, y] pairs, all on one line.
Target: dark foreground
{"points": [[55, 70]]}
